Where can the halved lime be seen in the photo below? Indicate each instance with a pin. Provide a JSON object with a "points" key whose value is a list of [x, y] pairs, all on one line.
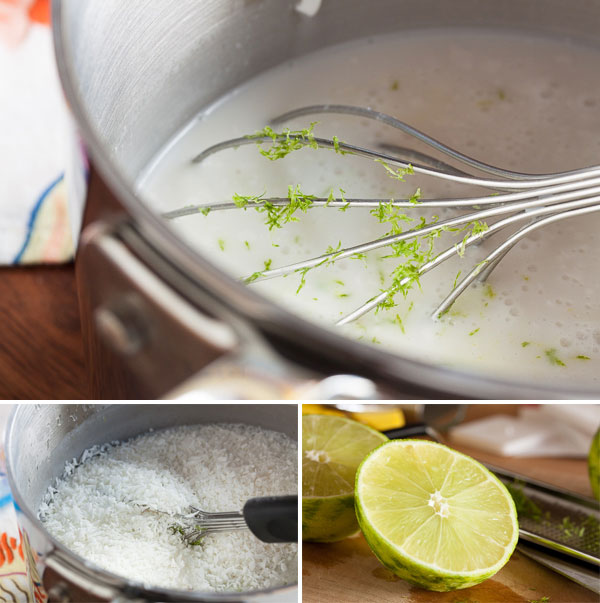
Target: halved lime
{"points": [[332, 449], [435, 517]]}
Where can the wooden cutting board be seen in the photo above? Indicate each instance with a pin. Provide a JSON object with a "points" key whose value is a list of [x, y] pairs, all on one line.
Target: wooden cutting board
{"points": [[348, 572]]}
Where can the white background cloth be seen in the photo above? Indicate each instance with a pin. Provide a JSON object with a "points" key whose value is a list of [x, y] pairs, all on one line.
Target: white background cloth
{"points": [[33, 136]]}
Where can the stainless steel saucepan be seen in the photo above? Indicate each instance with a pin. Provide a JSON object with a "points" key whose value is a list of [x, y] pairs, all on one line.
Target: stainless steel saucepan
{"points": [[40, 439], [158, 317]]}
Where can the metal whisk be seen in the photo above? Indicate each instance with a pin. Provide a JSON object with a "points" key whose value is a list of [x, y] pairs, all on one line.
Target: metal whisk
{"points": [[270, 519], [197, 524], [536, 200]]}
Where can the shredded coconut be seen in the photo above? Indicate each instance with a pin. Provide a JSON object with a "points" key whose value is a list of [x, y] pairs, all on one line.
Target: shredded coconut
{"points": [[96, 507]]}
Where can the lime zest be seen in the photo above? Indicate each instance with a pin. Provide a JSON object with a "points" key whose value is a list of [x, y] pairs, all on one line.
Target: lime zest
{"points": [[283, 143], [411, 255], [524, 505], [277, 216], [551, 355], [399, 322]]}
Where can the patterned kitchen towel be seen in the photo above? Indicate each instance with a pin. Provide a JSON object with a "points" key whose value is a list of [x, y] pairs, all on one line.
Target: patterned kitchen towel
{"points": [[37, 216], [19, 577]]}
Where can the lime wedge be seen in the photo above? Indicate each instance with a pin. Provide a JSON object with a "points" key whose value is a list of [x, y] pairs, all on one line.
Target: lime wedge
{"points": [[332, 449], [435, 517]]}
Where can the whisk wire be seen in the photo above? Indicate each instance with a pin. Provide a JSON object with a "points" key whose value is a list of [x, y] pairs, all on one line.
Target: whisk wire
{"points": [[197, 524], [539, 199], [368, 113], [523, 207], [492, 260]]}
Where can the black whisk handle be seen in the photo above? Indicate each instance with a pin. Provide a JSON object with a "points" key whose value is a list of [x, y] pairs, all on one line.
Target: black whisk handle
{"points": [[273, 518]]}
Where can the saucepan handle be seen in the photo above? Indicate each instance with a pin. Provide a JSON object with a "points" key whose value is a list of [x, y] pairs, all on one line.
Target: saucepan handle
{"points": [[134, 324], [75, 579]]}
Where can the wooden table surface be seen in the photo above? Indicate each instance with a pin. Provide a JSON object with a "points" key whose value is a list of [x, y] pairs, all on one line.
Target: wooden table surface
{"points": [[348, 572], [41, 353]]}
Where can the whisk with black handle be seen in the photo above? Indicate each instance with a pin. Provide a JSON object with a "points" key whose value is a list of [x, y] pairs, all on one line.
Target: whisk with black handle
{"points": [[271, 519]]}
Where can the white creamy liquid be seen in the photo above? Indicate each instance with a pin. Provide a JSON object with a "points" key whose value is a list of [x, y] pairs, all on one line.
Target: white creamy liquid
{"points": [[527, 104]]}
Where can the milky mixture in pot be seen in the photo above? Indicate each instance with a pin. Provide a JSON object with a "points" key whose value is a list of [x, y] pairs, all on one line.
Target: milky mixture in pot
{"points": [[523, 103]]}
